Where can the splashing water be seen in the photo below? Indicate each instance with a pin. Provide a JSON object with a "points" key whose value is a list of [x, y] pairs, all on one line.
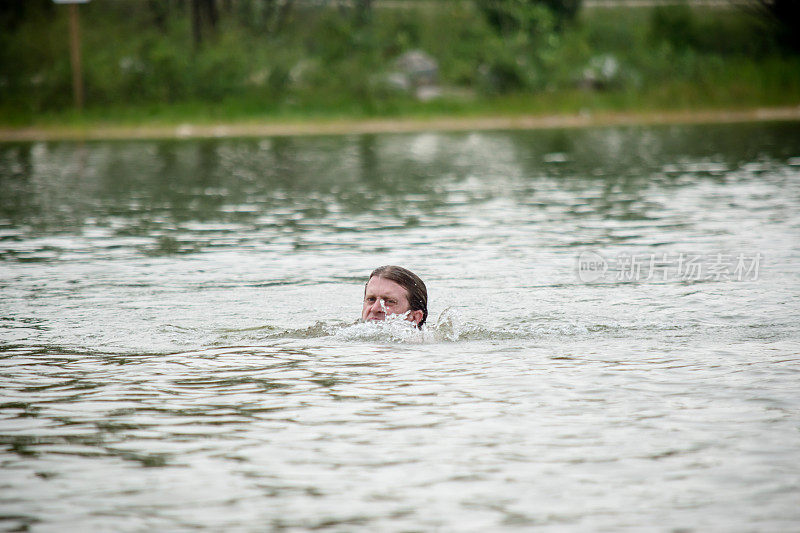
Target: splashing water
{"points": [[449, 327], [393, 329]]}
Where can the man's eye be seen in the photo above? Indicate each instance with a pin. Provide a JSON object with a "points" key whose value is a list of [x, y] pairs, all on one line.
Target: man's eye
{"points": [[391, 302], [370, 299]]}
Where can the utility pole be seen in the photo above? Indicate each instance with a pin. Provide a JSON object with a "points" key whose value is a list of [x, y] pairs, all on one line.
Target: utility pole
{"points": [[75, 56], [75, 50]]}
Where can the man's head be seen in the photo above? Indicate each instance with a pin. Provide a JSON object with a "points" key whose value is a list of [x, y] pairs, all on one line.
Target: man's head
{"points": [[393, 290]]}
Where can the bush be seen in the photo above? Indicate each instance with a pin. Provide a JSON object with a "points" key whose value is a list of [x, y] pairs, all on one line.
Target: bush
{"points": [[674, 25]]}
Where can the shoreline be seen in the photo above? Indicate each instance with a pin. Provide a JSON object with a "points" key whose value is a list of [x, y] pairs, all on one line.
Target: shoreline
{"points": [[312, 127]]}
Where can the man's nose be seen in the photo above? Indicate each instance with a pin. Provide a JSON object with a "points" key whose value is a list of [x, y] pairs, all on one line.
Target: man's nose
{"points": [[378, 306]]}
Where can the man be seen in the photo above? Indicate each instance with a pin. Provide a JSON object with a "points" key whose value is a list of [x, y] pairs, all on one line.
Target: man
{"points": [[393, 290]]}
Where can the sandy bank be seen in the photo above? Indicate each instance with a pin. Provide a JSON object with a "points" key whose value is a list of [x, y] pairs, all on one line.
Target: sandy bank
{"points": [[397, 125]]}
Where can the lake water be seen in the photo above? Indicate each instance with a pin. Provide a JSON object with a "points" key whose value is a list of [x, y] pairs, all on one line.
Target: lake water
{"points": [[612, 343]]}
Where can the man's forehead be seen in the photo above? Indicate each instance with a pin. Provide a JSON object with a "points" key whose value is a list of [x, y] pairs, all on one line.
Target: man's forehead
{"points": [[384, 286]]}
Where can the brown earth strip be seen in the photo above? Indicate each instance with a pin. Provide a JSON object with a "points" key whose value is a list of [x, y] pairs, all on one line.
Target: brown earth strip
{"points": [[402, 125]]}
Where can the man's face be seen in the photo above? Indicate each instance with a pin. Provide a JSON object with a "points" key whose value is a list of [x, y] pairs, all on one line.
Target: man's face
{"points": [[384, 297]]}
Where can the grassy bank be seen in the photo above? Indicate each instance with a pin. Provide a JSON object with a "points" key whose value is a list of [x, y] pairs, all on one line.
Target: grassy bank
{"points": [[142, 66], [341, 126]]}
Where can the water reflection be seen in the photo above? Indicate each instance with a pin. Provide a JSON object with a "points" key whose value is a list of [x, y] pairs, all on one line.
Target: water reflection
{"points": [[165, 189]]}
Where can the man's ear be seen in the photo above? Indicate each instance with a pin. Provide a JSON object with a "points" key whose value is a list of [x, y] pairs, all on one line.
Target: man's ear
{"points": [[416, 316]]}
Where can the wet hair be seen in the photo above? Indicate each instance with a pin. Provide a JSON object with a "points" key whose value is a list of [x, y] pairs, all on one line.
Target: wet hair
{"points": [[416, 291]]}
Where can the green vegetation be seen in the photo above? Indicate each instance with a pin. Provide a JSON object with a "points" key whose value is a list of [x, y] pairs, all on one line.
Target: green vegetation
{"points": [[163, 62]]}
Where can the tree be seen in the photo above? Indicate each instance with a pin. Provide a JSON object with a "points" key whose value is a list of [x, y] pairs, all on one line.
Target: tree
{"points": [[363, 11], [264, 15], [508, 16], [783, 17], [12, 12], [204, 19]]}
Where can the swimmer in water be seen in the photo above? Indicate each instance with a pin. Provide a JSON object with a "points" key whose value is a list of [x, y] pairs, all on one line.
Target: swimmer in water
{"points": [[393, 290]]}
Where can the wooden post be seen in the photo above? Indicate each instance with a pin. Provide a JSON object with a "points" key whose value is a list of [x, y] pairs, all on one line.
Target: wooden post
{"points": [[75, 56]]}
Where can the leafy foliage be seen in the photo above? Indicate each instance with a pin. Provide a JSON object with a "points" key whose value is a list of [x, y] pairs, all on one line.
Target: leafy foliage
{"points": [[275, 56]]}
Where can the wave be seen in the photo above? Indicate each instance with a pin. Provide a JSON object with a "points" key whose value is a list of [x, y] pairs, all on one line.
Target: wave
{"points": [[448, 327]]}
